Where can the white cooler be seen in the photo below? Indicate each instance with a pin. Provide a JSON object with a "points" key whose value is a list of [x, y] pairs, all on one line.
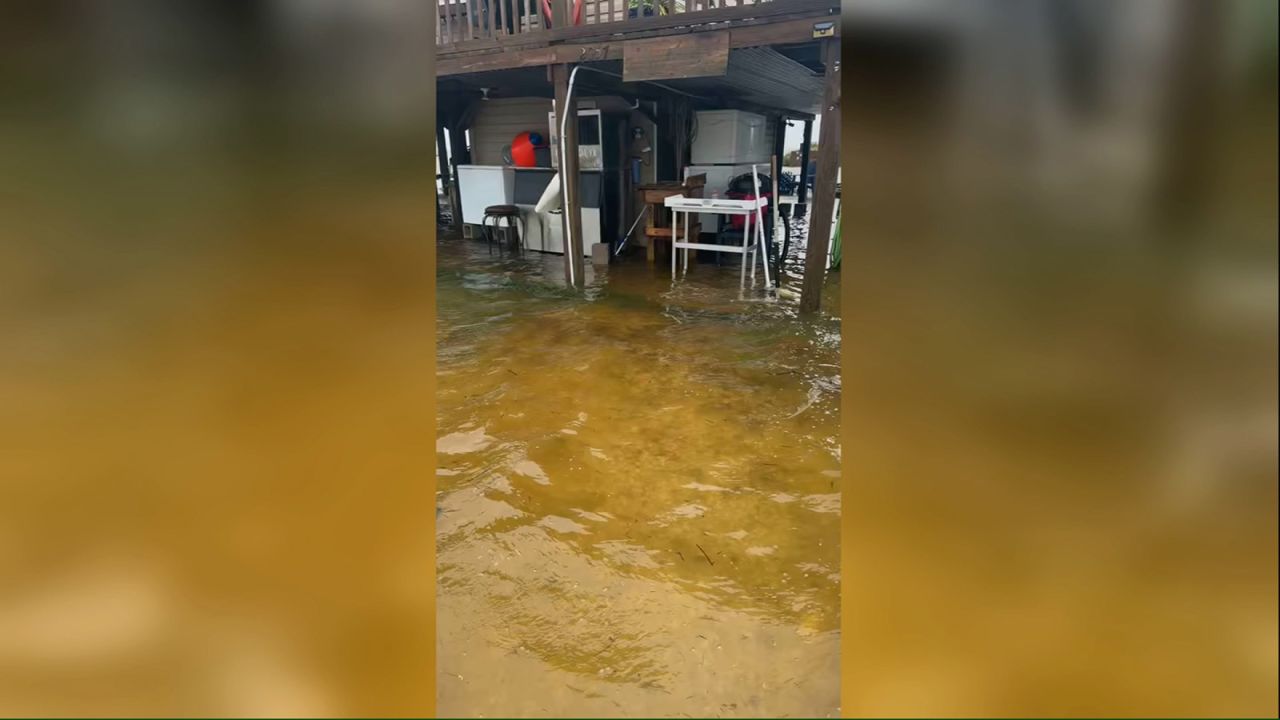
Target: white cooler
{"points": [[482, 186]]}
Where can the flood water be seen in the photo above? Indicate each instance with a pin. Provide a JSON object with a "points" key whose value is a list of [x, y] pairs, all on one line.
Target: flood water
{"points": [[638, 492]]}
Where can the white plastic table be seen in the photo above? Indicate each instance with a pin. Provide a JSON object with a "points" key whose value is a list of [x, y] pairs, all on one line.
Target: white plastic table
{"points": [[751, 241]]}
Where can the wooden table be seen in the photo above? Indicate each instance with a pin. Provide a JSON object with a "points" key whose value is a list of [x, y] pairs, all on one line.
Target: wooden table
{"points": [[661, 224]]}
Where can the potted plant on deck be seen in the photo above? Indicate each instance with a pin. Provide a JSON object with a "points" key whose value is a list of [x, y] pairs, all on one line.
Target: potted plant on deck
{"points": [[648, 8]]}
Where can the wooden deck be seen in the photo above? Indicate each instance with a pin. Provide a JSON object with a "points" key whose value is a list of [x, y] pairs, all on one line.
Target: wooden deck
{"points": [[604, 28], [469, 27], [462, 21]]}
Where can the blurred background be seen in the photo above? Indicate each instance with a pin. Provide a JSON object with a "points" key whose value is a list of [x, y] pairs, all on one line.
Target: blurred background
{"points": [[1060, 358], [1060, 354], [217, 357]]}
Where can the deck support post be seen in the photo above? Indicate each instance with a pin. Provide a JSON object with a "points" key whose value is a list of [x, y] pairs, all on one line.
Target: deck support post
{"points": [[802, 190], [824, 196], [775, 238], [570, 203], [446, 176]]}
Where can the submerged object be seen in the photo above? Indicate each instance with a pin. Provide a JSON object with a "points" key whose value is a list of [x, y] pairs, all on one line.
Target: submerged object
{"points": [[550, 199], [835, 246]]}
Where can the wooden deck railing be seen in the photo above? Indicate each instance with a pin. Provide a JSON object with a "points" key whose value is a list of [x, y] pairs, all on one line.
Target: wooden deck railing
{"points": [[463, 21]]}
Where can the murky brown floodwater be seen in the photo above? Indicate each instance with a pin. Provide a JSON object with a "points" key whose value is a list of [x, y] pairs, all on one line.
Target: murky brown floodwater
{"points": [[639, 493]]}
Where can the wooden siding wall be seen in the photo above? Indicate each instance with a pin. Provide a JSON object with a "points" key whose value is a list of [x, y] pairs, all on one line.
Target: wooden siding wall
{"points": [[500, 120]]}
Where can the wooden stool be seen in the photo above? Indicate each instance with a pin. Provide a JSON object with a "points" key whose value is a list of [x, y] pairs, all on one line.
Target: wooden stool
{"points": [[499, 213]]}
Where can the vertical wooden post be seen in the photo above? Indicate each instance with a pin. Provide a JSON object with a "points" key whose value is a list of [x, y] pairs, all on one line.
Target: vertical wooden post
{"points": [[680, 118], [824, 195], [459, 154], [442, 154], [570, 204], [802, 190], [775, 237]]}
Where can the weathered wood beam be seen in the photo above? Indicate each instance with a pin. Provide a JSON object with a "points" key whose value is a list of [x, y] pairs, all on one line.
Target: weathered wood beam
{"points": [[751, 33], [824, 200], [718, 15], [781, 30], [555, 55], [486, 47], [715, 19], [682, 56], [790, 31]]}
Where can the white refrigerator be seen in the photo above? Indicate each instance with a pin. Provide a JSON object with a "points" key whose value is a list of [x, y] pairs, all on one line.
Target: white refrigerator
{"points": [[726, 144], [729, 137]]}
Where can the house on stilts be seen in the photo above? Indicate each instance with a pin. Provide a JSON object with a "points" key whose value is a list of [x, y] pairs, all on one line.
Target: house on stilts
{"points": [[670, 96]]}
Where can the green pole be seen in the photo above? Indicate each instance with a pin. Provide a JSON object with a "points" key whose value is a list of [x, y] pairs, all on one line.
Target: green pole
{"points": [[835, 247]]}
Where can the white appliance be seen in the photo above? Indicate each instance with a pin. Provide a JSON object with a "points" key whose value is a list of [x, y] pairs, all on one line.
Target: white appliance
{"points": [[482, 186], [545, 231], [729, 137], [590, 132], [718, 177]]}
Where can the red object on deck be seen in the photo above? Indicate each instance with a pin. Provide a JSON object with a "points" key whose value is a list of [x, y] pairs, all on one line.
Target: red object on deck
{"points": [[546, 13], [523, 147], [738, 222]]}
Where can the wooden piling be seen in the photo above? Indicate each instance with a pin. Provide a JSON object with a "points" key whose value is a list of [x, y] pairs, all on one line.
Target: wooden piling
{"points": [[779, 140], [824, 196], [802, 190], [570, 203], [442, 155]]}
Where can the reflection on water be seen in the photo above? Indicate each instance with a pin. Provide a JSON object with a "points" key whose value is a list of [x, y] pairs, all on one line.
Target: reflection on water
{"points": [[639, 493]]}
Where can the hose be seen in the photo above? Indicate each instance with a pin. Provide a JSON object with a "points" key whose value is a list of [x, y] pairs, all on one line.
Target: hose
{"points": [[633, 229]]}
